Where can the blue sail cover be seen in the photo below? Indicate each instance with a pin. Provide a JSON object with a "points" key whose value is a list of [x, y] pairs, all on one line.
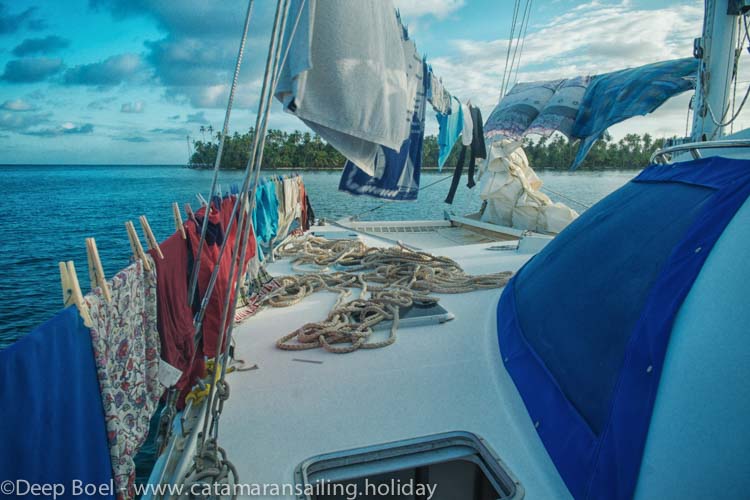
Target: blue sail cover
{"points": [[613, 97], [396, 172], [51, 416], [584, 326]]}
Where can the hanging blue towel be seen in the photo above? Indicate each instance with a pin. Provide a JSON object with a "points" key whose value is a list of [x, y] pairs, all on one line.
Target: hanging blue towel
{"points": [[51, 416], [451, 127], [613, 97], [396, 172]]}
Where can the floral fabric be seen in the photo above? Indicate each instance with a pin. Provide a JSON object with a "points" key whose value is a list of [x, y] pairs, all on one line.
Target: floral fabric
{"points": [[126, 349]]}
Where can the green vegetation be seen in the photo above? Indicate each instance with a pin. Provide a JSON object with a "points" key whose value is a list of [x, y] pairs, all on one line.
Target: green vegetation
{"points": [[307, 151]]}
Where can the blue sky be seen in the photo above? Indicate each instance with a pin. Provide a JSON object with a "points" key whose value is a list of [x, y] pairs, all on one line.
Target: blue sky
{"points": [[125, 81]]}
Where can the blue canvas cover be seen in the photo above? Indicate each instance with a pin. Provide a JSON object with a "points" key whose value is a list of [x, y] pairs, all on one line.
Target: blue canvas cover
{"points": [[396, 172], [613, 97], [52, 426], [584, 326]]}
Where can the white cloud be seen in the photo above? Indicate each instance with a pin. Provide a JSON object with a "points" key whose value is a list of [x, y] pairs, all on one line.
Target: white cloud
{"points": [[16, 105], [437, 8], [132, 107]]}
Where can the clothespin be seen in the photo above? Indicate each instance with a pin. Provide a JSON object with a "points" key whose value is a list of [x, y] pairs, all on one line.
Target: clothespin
{"points": [[189, 212], [135, 245], [71, 290], [178, 220], [201, 199], [150, 240], [96, 271]]}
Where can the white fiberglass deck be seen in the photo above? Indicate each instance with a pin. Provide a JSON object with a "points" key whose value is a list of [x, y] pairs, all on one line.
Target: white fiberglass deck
{"points": [[434, 379]]}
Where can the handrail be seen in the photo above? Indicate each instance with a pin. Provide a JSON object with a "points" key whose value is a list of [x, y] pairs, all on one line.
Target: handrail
{"points": [[695, 147]]}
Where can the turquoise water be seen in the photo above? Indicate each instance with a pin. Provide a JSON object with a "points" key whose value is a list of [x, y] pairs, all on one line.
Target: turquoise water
{"points": [[49, 210]]}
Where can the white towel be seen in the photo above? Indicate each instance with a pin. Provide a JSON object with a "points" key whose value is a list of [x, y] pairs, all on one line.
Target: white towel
{"points": [[346, 76]]}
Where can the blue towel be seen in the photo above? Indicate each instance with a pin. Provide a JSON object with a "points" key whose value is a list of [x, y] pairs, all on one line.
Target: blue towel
{"points": [[396, 172], [613, 97], [51, 417], [451, 127]]}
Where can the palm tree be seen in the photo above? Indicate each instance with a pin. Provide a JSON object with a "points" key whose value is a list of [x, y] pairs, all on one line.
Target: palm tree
{"points": [[203, 132]]}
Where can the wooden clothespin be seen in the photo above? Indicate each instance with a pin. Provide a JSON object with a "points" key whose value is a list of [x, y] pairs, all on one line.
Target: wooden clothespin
{"points": [[135, 245], [96, 271], [178, 220], [71, 290], [189, 212], [150, 240]]}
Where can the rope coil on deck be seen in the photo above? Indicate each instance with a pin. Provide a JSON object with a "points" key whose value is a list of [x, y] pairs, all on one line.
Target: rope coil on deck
{"points": [[388, 278]]}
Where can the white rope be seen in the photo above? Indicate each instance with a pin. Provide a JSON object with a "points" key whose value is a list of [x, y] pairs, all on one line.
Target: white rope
{"points": [[393, 277]]}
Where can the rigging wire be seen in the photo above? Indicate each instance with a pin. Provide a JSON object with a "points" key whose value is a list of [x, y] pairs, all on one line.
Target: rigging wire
{"points": [[522, 38], [217, 161], [510, 42]]}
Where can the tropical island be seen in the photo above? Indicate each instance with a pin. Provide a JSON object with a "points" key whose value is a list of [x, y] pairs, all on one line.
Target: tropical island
{"points": [[307, 151]]}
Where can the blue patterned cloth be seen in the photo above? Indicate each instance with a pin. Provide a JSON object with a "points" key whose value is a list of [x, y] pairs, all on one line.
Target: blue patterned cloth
{"points": [[396, 172], [613, 97]]}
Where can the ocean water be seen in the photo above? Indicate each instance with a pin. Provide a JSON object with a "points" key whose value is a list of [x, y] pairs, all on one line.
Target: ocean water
{"points": [[48, 211]]}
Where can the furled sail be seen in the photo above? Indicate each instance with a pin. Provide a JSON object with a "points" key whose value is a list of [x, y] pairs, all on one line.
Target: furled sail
{"points": [[584, 107]]}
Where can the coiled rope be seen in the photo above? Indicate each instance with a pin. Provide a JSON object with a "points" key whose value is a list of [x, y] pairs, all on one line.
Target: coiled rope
{"points": [[388, 278]]}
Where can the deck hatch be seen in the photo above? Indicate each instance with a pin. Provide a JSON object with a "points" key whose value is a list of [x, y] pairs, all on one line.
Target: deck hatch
{"points": [[455, 465]]}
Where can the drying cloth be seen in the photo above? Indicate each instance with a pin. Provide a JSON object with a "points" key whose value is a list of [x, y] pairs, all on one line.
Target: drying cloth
{"points": [[613, 97], [174, 314], [467, 132], [266, 215], [450, 128], [478, 147], [559, 113], [346, 76], [211, 329], [437, 95], [516, 112], [51, 418], [397, 172], [126, 349]]}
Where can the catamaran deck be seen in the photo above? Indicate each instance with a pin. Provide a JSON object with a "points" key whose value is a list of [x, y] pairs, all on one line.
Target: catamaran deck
{"points": [[434, 379]]}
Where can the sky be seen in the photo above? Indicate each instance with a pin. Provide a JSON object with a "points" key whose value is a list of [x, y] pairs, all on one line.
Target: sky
{"points": [[126, 81]]}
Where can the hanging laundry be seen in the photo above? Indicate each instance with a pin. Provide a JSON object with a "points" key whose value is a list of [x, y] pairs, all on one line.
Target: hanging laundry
{"points": [[266, 213], [309, 211], [437, 95], [467, 131], [53, 429], [345, 76], [125, 341], [304, 221], [559, 113], [476, 150], [210, 258], [613, 97], [174, 314], [478, 147], [516, 112], [397, 173], [450, 129]]}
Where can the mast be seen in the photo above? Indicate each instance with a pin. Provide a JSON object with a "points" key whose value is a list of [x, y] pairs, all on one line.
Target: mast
{"points": [[716, 49]]}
